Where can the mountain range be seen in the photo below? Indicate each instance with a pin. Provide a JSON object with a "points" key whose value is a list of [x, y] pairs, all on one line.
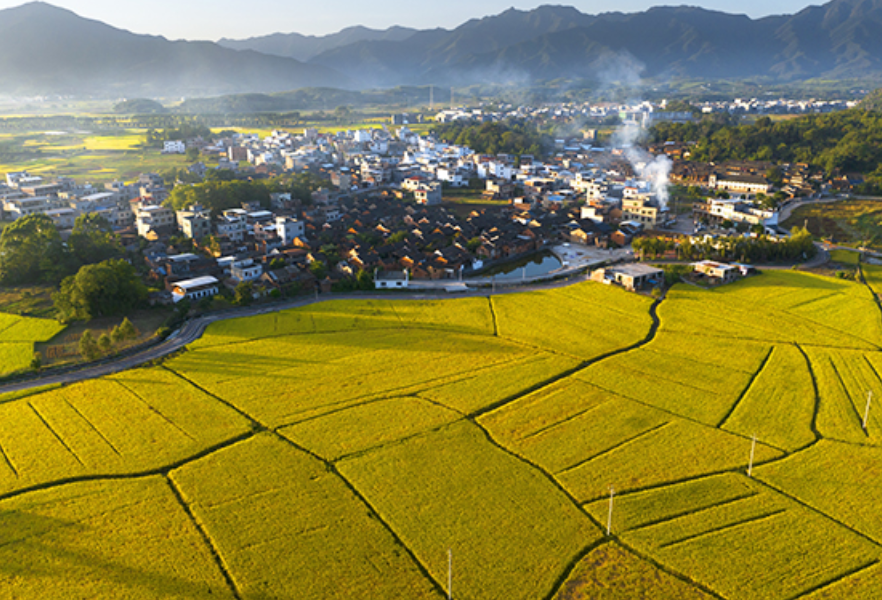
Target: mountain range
{"points": [[840, 40], [50, 50], [45, 49]]}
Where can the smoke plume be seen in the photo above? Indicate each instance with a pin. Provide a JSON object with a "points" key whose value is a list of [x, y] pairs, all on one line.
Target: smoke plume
{"points": [[654, 170]]}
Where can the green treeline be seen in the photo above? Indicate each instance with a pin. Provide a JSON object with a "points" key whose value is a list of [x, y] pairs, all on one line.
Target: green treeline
{"points": [[848, 141], [506, 137], [185, 131], [799, 246], [217, 195], [31, 249], [151, 121]]}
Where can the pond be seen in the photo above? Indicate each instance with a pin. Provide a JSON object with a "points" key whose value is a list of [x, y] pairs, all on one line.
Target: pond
{"points": [[539, 264]]}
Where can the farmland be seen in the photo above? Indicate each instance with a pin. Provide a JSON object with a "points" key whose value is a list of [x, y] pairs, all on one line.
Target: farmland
{"points": [[17, 338], [390, 448]]}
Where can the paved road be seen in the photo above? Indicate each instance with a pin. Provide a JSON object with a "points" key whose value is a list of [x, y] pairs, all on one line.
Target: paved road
{"points": [[194, 328]]}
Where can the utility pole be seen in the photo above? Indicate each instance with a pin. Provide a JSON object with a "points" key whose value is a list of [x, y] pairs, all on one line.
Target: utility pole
{"points": [[867, 410], [449, 574], [612, 493], [752, 450]]}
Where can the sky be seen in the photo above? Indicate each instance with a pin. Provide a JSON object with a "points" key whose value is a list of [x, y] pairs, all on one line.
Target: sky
{"points": [[214, 19]]}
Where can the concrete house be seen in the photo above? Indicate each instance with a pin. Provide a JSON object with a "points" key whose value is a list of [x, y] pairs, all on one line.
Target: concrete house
{"points": [[195, 289], [632, 277]]}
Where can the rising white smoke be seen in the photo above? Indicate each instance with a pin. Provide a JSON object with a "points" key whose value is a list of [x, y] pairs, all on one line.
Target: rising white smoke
{"points": [[654, 170]]}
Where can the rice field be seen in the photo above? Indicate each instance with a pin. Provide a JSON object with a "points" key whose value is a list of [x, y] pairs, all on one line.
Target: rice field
{"points": [[453, 489], [288, 528], [389, 448], [612, 573], [17, 338], [96, 156], [740, 538], [105, 539]]}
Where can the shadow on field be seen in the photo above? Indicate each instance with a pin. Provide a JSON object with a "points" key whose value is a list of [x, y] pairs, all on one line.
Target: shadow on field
{"points": [[46, 557]]}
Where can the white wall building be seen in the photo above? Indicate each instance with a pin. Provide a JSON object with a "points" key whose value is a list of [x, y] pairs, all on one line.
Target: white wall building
{"points": [[289, 229], [174, 147], [195, 289], [152, 218]]}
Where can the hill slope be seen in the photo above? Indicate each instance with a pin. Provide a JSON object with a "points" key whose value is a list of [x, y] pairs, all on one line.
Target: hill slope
{"points": [[44, 49], [304, 47], [839, 40]]}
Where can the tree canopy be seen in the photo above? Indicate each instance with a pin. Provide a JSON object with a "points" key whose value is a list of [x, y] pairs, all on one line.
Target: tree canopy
{"points": [[92, 240], [506, 137], [219, 195], [107, 288], [845, 141], [31, 250]]}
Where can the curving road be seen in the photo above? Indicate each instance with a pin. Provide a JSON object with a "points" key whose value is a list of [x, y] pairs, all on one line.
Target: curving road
{"points": [[194, 328]]}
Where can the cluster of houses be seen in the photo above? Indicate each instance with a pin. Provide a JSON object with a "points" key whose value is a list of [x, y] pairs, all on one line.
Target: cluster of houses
{"points": [[643, 112], [64, 200], [639, 277], [383, 207]]}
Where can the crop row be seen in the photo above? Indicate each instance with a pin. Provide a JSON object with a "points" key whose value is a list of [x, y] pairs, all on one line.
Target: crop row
{"points": [[739, 538], [101, 427]]}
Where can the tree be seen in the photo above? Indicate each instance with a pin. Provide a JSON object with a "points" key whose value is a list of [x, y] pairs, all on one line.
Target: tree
{"points": [[92, 240], [277, 263], [104, 343], [107, 288], [318, 269], [243, 295], [474, 243], [31, 250], [88, 347], [37, 361], [192, 154]]}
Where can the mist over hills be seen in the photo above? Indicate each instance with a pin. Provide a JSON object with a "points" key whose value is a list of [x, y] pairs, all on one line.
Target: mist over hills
{"points": [[305, 47], [48, 50], [842, 39]]}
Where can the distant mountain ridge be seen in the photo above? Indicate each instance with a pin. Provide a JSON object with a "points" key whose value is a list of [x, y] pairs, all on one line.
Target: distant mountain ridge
{"points": [[305, 47], [45, 49], [49, 50], [841, 39]]}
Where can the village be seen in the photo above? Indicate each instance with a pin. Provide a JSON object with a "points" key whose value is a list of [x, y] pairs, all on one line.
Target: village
{"points": [[381, 219]]}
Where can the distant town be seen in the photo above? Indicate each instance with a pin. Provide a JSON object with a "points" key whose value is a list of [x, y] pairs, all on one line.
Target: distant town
{"points": [[380, 209]]}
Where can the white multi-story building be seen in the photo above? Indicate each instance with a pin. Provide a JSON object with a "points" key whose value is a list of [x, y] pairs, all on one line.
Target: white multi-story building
{"points": [[288, 229], [174, 147], [233, 224], [153, 219], [16, 208], [195, 222], [735, 210], [246, 272]]}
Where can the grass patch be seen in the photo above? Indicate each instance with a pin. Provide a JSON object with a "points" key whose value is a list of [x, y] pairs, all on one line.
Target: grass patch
{"points": [[844, 222]]}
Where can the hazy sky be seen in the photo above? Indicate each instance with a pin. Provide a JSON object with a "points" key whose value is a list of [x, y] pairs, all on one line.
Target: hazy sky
{"points": [[213, 19]]}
